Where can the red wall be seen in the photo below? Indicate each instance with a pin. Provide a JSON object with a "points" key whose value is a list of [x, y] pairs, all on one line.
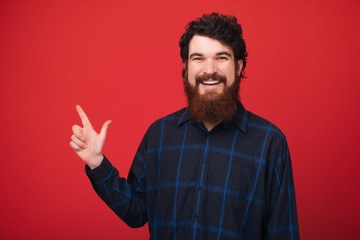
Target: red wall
{"points": [[120, 61]]}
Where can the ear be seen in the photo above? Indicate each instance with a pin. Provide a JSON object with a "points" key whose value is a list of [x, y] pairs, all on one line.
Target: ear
{"points": [[240, 67]]}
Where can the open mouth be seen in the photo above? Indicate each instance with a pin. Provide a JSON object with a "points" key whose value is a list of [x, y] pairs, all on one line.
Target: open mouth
{"points": [[210, 82]]}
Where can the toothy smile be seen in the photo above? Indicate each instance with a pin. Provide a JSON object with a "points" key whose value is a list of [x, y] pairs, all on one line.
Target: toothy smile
{"points": [[210, 82]]}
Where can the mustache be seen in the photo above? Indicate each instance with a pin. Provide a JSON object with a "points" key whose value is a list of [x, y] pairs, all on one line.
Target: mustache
{"points": [[214, 76]]}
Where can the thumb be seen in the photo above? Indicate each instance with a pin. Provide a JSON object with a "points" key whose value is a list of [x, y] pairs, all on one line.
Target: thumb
{"points": [[104, 129]]}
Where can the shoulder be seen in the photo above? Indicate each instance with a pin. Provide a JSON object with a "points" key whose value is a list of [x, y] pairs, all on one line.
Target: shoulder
{"points": [[275, 143], [258, 124]]}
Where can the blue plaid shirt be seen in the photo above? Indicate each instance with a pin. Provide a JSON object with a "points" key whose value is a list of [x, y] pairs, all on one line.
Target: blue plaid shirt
{"points": [[234, 182]]}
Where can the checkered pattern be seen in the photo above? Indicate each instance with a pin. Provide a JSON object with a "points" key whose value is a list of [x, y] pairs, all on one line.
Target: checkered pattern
{"points": [[234, 182]]}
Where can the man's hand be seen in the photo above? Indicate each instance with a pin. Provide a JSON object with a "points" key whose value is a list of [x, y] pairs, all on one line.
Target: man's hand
{"points": [[86, 142]]}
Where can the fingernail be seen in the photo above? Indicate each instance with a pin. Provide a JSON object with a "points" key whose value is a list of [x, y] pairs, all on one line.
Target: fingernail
{"points": [[84, 146], [82, 138]]}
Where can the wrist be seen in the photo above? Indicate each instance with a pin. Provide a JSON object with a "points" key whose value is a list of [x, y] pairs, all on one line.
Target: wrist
{"points": [[95, 162]]}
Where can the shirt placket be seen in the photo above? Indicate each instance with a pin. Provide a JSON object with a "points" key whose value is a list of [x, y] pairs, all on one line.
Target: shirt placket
{"points": [[199, 189]]}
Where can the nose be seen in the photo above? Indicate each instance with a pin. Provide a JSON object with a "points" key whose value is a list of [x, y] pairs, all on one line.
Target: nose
{"points": [[209, 67]]}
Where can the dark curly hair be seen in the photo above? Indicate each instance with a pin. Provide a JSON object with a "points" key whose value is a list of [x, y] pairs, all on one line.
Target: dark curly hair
{"points": [[217, 26]]}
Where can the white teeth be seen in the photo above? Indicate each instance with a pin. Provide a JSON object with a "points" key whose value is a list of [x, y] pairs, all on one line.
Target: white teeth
{"points": [[210, 82]]}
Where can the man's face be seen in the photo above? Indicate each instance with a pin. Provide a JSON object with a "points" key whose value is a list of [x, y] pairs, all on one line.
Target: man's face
{"points": [[209, 58], [212, 81]]}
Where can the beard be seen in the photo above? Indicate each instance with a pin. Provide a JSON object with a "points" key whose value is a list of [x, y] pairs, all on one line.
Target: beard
{"points": [[212, 107]]}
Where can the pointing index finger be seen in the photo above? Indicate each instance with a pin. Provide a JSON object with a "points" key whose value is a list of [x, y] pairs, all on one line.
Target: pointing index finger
{"points": [[84, 119]]}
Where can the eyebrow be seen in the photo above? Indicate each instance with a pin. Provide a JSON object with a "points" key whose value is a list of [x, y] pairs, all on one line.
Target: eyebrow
{"points": [[223, 53], [195, 54]]}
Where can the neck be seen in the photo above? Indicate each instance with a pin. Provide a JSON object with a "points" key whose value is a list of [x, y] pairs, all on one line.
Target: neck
{"points": [[210, 126]]}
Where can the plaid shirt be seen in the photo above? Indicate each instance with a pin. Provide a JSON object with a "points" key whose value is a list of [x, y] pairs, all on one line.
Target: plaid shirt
{"points": [[234, 182]]}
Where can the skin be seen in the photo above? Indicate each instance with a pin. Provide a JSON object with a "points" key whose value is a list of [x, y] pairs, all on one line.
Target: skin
{"points": [[86, 142], [208, 56]]}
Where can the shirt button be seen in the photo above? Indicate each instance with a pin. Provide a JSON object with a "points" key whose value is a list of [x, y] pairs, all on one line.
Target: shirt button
{"points": [[196, 216], [200, 188]]}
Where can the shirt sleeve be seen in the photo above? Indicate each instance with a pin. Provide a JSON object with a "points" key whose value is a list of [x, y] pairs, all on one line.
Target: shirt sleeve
{"points": [[126, 197], [281, 220]]}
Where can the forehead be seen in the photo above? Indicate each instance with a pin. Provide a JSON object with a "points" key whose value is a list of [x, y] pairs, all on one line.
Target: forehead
{"points": [[207, 46]]}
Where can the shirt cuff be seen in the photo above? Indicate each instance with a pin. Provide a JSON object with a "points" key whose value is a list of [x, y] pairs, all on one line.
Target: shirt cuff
{"points": [[100, 173]]}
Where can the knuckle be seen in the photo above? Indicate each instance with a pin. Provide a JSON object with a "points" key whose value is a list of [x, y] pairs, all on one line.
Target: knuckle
{"points": [[74, 139]]}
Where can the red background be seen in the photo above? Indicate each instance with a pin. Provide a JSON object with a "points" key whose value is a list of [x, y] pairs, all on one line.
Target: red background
{"points": [[120, 61]]}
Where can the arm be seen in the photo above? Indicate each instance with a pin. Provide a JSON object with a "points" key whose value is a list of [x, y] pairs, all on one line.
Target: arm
{"points": [[125, 197], [281, 217]]}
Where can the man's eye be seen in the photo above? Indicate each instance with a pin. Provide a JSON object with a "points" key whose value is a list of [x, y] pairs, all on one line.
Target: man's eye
{"points": [[222, 58], [197, 59]]}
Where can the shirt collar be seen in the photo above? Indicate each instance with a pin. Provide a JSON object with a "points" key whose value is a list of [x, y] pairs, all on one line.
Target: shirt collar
{"points": [[184, 117], [240, 119]]}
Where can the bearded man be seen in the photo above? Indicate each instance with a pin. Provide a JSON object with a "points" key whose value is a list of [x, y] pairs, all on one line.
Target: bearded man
{"points": [[212, 170]]}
